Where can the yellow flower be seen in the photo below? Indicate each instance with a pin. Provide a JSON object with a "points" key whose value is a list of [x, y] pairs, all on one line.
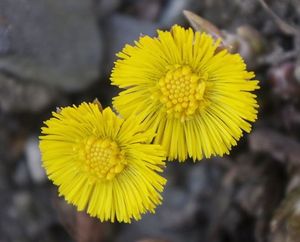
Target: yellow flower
{"points": [[195, 95], [102, 163]]}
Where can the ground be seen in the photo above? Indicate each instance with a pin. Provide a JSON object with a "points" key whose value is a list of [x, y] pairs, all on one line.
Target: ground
{"points": [[55, 53]]}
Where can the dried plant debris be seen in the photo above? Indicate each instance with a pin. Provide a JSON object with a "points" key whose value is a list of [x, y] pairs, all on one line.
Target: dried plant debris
{"points": [[283, 25], [245, 40], [285, 225], [282, 148]]}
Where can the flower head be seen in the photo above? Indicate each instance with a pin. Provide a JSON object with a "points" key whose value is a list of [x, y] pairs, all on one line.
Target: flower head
{"points": [[196, 96], [103, 163]]}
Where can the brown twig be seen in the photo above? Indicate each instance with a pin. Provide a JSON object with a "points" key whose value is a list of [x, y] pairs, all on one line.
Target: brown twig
{"points": [[283, 26]]}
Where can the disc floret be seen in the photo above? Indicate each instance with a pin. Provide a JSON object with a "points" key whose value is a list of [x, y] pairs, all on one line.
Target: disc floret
{"points": [[182, 91], [103, 157]]}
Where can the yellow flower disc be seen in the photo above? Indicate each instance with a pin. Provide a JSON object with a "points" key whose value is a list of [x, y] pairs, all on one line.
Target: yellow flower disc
{"points": [[197, 97], [103, 164]]}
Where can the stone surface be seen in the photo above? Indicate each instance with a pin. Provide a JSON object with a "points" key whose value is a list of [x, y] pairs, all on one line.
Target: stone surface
{"points": [[120, 30], [53, 42], [21, 175], [280, 147], [27, 215], [186, 207], [33, 159], [173, 11], [104, 8], [18, 96]]}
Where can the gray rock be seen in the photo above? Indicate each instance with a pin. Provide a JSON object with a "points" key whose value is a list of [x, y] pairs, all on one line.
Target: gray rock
{"points": [[21, 174], [172, 13], [24, 206], [22, 202], [3, 177], [105, 8], [164, 224], [120, 30], [33, 159], [4, 39], [204, 179], [52, 42], [174, 220], [18, 96], [26, 215]]}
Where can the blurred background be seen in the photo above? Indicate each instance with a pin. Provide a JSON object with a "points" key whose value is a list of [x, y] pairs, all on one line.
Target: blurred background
{"points": [[55, 53]]}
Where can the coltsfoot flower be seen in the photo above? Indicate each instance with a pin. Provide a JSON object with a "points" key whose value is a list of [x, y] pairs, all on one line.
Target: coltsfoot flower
{"points": [[103, 163], [196, 96]]}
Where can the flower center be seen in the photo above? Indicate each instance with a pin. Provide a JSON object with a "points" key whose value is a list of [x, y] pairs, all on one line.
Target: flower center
{"points": [[182, 91], [103, 158]]}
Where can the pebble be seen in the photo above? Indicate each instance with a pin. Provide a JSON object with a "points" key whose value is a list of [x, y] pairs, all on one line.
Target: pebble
{"points": [[17, 96], [33, 159], [21, 175]]}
